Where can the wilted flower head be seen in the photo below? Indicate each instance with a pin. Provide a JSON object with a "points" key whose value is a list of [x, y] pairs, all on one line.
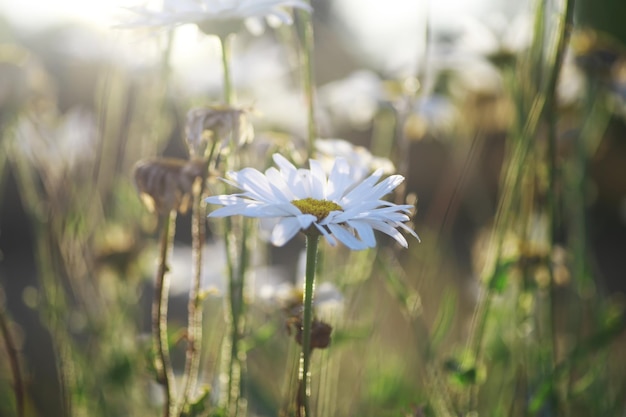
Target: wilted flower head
{"points": [[320, 332], [334, 205], [216, 16], [166, 184], [289, 298], [362, 162], [216, 123]]}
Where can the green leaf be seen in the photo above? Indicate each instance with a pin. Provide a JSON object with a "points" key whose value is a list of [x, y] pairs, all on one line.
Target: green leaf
{"points": [[500, 278], [199, 406], [461, 374]]}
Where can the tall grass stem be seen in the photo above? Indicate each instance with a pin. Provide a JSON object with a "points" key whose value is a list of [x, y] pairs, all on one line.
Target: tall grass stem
{"points": [[18, 380]]}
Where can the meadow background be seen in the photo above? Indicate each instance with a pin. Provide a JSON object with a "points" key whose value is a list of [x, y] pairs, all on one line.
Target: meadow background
{"points": [[511, 305]]}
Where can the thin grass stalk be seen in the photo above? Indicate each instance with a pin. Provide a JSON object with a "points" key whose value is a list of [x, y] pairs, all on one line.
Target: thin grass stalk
{"points": [[236, 357], [513, 169], [576, 183], [229, 344], [16, 371], [239, 309], [410, 301], [163, 365], [304, 387], [554, 202], [54, 300], [513, 166]]}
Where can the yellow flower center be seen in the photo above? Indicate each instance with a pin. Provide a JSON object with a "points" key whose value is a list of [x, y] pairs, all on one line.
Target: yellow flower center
{"points": [[318, 208]]}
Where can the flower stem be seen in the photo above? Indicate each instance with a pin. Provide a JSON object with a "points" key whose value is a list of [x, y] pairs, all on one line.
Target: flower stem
{"points": [[309, 284], [194, 313], [306, 37], [225, 41], [165, 374], [235, 239]]}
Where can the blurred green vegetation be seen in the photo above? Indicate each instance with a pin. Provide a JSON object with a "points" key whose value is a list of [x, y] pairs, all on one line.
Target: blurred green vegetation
{"points": [[512, 305]]}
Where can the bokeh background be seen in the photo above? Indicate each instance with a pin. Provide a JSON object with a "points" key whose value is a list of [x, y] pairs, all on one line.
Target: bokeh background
{"points": [[432, 70]]}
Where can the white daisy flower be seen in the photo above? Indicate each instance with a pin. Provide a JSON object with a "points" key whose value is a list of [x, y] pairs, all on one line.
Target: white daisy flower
{"points": [[207, 13], [308, 200]]}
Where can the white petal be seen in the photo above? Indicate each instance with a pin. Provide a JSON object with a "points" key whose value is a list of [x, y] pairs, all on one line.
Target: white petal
{"points": [[282, 16], [223, 199], [365, 231], [339, 180], [346, 237], [285, 230], [230, 210], [385, 187], [285, 166], [329, 238], [282, 190], [409, 230], [394, 233], [361, 189], [255, 184], [255, 25], [305, 220], [317, 178]]}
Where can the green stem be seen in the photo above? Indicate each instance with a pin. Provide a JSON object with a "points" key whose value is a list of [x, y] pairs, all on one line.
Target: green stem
{"points": [[521, 140], [225, 41], [163, 364], [18, 381], [235, 239], [553, 166], [54, 307], [308, 70], [194, 312], [236, 359], [312, 241]]}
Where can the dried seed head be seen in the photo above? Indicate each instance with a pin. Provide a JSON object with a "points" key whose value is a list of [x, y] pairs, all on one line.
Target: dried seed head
{"points": [[166, 184], [320, 332], [216, 123]]}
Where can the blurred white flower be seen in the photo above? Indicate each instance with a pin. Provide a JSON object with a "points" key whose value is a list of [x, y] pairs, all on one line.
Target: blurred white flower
{"points": [[496, 33], [435, 114], [571, 84], [213, 278], [362, 162], [284, 294], [211, 15], [354, 99], [60, 148], [308, 200]]}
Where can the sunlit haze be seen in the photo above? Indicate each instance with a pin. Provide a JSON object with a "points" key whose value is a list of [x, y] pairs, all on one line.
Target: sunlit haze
{"points": [[390, 35]]}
